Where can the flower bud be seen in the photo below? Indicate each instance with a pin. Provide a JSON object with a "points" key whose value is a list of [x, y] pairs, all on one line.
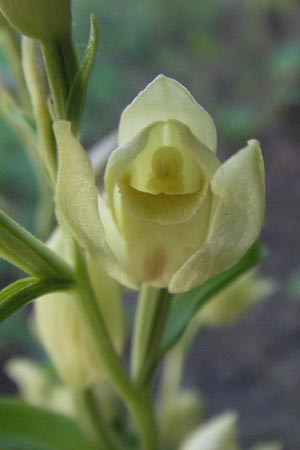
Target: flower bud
{"points": [[39, 19], [234, 300], [183, 414], [268, 446], [217, 434], [62, 332]]}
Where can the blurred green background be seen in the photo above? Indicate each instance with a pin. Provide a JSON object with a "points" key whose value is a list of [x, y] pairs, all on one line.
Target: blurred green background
{"points": [[241, 61]]}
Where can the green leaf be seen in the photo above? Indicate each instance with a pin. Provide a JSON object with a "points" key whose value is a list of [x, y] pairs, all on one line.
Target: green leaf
{"points": [[25, 251], [185, 305], [18, 294], [77, 94], [29, 428]]}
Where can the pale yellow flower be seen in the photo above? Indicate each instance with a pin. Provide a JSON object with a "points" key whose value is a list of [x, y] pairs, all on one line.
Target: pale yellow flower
{"points": [[182, 413], [173, 215]]}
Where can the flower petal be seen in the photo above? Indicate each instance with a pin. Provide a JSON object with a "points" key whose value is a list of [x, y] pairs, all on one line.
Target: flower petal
{"points": [[217, 434], [238, 186], [77, 201], [198, 161], [77, 195], [151, 248], [166, 99], [120, 159], [161, 208], [268, 446]]}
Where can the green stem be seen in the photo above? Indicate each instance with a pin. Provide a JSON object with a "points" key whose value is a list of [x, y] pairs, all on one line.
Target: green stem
{"points": [[145, 315], [61, 66], [38, 89], [172, 371], [69, 59], [91, 420], [174, 365], [138, 404], [159, 305], [56, 76]]}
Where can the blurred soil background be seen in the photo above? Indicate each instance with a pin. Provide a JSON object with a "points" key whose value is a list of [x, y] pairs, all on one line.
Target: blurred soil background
{"points": [[241, 61]]}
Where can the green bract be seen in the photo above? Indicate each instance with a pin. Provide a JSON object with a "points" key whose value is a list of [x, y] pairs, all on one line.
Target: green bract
{"points": [[39, 19], [173, 215]]}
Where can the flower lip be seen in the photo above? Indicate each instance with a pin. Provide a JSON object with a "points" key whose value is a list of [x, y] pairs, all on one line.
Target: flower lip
{"points": [[162, 208]]}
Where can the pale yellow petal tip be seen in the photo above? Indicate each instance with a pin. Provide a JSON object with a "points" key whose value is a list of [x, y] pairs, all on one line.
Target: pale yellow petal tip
{"points": [[162, 80], [164, 98], [217, 434], [253, 145]]}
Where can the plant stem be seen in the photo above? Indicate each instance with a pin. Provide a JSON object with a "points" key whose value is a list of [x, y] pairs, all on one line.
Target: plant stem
{"points": [[138, 404], [146, 308], [158, 309], [37, 86], [61, 66], [56, 77], [92, 422]]}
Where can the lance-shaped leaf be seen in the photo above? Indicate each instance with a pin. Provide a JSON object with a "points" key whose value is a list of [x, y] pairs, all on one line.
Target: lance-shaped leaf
{"points": [[18, 294], [25, 251], [29, 428], [77, 95], [186, 305]]}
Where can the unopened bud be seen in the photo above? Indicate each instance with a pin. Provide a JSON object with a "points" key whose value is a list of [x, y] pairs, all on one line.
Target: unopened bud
{"points": [[183, 415], [43, 20]]}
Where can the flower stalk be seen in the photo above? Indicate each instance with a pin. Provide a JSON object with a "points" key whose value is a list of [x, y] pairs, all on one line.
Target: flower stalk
{"points": [[152, 312], [93, 423], [138, 405]]}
